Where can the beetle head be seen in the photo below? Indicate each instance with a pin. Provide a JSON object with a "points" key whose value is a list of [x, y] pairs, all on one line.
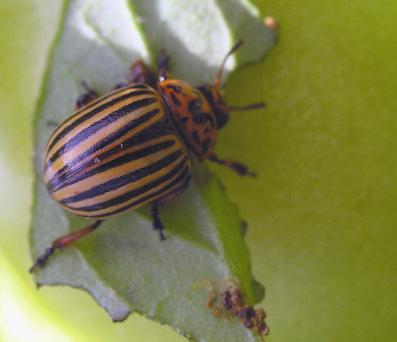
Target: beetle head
{"points": [[214, 94], [215, 98]]}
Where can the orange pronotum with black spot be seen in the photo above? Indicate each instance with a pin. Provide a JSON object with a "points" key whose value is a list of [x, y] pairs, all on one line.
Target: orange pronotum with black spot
{"points": [[192, 115]]}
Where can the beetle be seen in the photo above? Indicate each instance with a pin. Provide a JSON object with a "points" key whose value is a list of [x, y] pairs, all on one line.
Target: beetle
{"points": [[131, 146]]}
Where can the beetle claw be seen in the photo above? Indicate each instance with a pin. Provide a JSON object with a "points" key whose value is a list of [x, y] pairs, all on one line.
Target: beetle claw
{"points": [[42, 259], [238, 167], [157, 224]]}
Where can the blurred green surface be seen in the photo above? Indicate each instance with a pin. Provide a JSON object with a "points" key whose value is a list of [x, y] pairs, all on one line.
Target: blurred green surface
{"points": [[323, 213]]}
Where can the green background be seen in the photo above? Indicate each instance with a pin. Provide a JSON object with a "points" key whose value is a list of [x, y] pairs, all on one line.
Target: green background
{"points": [[322, 213]]}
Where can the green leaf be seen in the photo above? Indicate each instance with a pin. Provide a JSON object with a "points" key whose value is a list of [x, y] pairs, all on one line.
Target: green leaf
{"points": [[124, 265]]}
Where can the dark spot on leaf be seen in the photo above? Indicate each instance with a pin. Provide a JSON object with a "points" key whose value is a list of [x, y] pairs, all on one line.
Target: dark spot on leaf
{"points": [[247, 313], [226, 300]]}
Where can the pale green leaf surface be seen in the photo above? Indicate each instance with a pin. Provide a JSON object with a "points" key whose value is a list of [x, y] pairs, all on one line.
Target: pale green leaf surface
{"points": [[123, 265]]}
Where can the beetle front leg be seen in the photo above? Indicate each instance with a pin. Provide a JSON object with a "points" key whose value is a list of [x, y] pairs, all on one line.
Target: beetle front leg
{"points": [[240, 168], [52, 124], [62, 242], [157, 224], [140, 72], [252, 106], [163, 64]]}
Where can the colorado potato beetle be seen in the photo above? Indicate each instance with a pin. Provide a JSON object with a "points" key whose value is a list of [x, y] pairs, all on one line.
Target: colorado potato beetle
{"points": [[131, 146]]}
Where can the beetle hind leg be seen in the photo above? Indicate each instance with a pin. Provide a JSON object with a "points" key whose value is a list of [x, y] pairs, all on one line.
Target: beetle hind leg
{"points": [[157, 224], [52, 124], [62, 242]]}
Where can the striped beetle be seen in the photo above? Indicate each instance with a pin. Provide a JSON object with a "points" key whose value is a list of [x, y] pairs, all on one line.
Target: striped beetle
{"points": [[130, 147]]}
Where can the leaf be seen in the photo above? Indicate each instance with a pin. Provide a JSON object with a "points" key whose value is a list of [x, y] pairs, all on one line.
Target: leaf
{"points": [[124, 265]]}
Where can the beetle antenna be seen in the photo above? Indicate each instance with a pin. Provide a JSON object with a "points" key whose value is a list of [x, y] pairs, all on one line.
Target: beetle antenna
{"points": [[218, 78]]}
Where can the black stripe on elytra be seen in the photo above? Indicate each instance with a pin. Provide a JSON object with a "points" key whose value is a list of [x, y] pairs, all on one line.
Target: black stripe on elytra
{"points": [[98, 125], [149, 133], [104, 97], [56, 183], [139, 86], [183, 177], [123, 180], [94, 112]]}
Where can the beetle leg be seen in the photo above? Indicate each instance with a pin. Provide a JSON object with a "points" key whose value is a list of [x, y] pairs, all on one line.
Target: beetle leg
{"points": [[163, 65], [63, 242], [89, 96], [51, 123], [120, 85], [252, 106], [240, 168], [141, 73], [154, 210], [157, 224]]}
